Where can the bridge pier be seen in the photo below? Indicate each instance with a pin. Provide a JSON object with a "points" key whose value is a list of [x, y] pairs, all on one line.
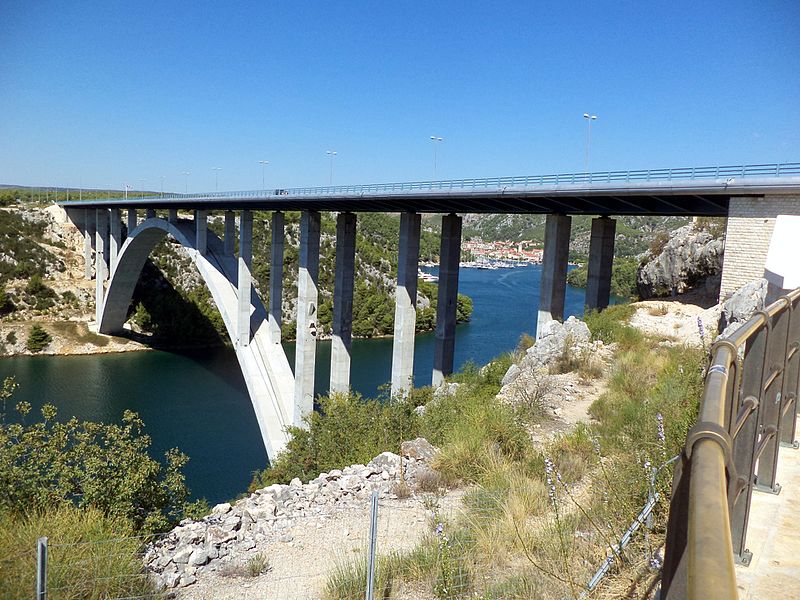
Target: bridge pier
{"points": [[245, 278], [115, 237], [230, 232], [150, 213], [554, 270], [275, 316], [201, 231], [405, 311], [449, 257], [133, 220], [343, 302], [307, 298], [601, 259], [101, 265], [172, 215], [88, 242]]}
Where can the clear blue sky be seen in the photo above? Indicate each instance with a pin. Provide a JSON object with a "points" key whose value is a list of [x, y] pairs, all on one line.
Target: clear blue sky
{"points": [[98, 93]]}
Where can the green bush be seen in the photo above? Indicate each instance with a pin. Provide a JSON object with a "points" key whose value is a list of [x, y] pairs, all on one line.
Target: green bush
{"points": [[82, 564], [38, 339], [611, 324], [102, 466], [6, 304]]}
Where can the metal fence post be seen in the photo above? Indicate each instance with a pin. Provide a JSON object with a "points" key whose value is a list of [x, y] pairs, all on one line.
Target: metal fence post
{"points": [[41, 568], [373, 538]]}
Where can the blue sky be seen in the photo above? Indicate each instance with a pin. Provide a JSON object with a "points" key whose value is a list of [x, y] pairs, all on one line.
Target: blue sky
{"points": [[98, 94]]}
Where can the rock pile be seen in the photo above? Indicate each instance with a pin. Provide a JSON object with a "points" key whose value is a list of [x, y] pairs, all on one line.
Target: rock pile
{"points": [[742, 305], [234, 531]]}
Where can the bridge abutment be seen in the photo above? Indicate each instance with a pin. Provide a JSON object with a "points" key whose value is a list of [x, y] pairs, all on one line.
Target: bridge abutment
{"points": [[342, 325], [307, 298], [447, 303], [601, 260], [276, 277], [554, 270], [405, 312], [245, 277]]}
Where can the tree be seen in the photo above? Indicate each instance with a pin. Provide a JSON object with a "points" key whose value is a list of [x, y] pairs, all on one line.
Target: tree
{"points": [[91, 465], [38, 339]]}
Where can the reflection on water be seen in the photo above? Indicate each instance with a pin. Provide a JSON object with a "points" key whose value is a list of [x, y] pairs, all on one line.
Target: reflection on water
{"points": [[199, 403]]}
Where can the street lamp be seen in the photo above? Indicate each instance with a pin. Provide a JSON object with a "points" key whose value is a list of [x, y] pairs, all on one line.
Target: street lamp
{"points": [[263, 164], [435, 139], [331, 154], [589, 118], [216, 177], [185, 181]]}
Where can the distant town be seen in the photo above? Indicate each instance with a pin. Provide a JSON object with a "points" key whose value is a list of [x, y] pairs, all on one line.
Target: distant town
{"points": [[477, 254]]}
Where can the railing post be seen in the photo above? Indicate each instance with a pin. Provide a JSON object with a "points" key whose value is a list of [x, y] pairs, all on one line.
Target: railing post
{"points": [[789, 389], [41, 568], [373, 538], [771, 405]]}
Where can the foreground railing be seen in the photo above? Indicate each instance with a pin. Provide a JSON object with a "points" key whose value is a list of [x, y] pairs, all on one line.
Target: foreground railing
{"points": [[748, 407]]}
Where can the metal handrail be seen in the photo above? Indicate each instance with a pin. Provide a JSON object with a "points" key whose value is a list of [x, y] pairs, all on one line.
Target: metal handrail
{"points": [[750, 387], [523, 181]]}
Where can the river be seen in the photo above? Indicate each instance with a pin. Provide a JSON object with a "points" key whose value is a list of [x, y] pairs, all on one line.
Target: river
{"points": [[199, 402]]}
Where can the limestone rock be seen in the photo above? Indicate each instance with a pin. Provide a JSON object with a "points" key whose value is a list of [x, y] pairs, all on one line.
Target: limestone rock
{"points": [[418, 449]]}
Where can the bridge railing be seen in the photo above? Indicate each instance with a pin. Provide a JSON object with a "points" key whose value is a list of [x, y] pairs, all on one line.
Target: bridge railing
{"points": [[748, 410], [521, 181]]}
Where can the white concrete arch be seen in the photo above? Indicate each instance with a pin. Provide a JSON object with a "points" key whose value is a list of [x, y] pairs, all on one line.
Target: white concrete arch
{"points": [[266, 370]]}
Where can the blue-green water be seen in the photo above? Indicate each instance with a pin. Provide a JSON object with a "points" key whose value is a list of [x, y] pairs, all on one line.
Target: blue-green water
{"points": [[199, 402]]}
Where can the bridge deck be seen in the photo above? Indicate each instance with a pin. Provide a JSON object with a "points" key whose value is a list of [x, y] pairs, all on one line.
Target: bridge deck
{"points": [[774, 537]]}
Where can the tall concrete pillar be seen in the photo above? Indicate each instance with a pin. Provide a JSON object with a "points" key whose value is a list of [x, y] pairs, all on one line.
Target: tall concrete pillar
{"points": [[405, 307], [230, 231], [115, 239], [343, 302], [201, 231], [133, 220], [554, 270], [307, 297], [173, 215], [601, 258], [101, 264], [245, 281], [150, 213], [449, 257], [88, 241], [276, 278]]}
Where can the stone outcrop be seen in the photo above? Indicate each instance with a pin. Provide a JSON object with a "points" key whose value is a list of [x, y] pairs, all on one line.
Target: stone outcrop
{"points": [[235, 531], [744, 303], [689, 259]]}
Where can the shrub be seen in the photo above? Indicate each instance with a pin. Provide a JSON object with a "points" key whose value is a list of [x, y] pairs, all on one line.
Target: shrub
{"points": [[610, 324], [80, 564], [6, 305], [38, 339]]}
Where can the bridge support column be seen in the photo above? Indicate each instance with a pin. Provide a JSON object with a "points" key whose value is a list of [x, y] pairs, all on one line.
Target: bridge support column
{"points": [[276, 277], [554, 270], [449, 257], [173, 215], [601, 259], [343, 302], [88, 241], [245, 276], [101, 266], [201, 230], [115, 239], [307, 297], [150, 213], [230, 232], [405, 309], [133, 220]]}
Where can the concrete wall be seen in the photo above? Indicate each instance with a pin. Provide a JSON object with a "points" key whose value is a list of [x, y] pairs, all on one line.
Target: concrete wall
{"points": [[750, 225]]}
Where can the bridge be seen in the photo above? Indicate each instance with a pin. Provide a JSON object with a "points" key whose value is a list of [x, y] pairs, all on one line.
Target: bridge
{"points": [[280, 397]]}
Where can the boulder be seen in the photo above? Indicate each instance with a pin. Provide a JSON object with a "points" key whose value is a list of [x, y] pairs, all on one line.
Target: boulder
{"points": [[553, 339], [742, 305], [418, 449]]}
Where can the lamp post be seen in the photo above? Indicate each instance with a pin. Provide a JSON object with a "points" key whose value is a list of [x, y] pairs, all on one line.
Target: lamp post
{"points": [[331, 154], [589, 118], [216, 177], [435, 139], [263, 164], [185, 181]]}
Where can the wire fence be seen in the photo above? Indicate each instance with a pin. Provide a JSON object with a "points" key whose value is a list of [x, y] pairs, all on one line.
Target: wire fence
{"points": [[430, 545]]}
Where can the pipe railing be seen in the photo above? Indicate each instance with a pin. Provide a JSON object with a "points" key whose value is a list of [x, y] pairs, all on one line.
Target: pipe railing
{"points": [[747, 412]]}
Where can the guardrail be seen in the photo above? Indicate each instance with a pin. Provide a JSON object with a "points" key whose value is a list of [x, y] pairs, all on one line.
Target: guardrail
{"points": [[747, 412], [523, 181]]}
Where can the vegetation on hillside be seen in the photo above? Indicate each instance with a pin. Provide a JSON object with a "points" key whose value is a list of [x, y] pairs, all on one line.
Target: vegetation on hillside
{"points": [[623, 277]]}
